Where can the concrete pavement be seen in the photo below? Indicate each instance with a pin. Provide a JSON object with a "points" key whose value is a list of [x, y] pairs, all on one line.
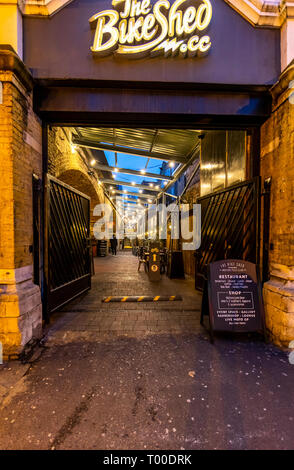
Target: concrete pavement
{"points": [[145, 376]]}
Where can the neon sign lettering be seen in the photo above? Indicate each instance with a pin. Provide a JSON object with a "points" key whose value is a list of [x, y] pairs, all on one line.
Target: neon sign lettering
{"points": [[136, 28]]}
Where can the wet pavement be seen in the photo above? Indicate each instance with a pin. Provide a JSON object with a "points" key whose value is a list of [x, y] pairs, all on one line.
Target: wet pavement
{"points": [[112, 376]]}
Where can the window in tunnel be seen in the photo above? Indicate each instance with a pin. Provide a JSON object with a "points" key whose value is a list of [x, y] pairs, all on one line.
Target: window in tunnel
{"points": [[223, 159]]}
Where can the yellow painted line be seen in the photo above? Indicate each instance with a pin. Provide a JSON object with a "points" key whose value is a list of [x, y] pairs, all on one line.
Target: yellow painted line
{"points": [[124, 298], [108, 299], [156, 298], [172, 297], [141, 298]]}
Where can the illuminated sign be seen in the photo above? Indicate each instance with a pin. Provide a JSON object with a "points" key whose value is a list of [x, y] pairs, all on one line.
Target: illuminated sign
{"points": [[137, 28]]}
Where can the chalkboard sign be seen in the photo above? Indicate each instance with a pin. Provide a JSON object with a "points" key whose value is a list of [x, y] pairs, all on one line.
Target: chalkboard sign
{"points": [[232, 297]]}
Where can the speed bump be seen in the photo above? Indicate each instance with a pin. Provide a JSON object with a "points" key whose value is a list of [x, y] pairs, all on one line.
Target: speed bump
{"points": [[142, 298]]}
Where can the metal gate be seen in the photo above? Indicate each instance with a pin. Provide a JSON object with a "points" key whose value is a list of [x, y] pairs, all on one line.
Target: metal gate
{"points": [[230, 226], [67, 247]]}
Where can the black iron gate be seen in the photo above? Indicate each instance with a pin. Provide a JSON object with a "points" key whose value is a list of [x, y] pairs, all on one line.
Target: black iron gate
{"points": [[230, 226], [67, 247]]}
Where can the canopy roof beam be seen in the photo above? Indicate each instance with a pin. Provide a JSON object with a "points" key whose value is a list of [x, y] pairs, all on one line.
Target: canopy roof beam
{"points": [[134, 185], [128, 171], [81, 142], [130, 193]]}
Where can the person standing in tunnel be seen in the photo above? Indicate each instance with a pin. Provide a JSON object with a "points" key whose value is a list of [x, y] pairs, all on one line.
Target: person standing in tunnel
{"points": [[113, 244]]}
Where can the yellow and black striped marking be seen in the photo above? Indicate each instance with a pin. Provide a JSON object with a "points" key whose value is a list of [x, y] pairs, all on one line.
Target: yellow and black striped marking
{"points": [[142, 298]]}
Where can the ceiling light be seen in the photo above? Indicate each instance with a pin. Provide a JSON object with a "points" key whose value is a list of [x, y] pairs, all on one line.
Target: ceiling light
{"points": [[73, 148], [171, 164], [125, 190], [157, 187], [165, 183], [133, 183], [151, 184], [149, 200], [140, 191], [116, 170], [93, 162], [113, 176], [143, 172]]}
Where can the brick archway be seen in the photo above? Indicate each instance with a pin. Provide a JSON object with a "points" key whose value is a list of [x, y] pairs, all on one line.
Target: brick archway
{"points": [[78, 180], [71, 166]]}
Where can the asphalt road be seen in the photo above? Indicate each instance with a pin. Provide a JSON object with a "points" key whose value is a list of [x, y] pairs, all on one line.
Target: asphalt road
{"points": [[153, 392]]}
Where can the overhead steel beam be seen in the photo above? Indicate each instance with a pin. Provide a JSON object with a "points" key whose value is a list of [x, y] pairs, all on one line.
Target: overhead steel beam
{"points": [[128, 183], [127, 151], [179, 171], [129, 193], [127, 171]]}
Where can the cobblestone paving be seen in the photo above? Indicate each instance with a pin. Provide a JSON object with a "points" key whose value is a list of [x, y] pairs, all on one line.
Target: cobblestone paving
{"points": [[119, 276]]}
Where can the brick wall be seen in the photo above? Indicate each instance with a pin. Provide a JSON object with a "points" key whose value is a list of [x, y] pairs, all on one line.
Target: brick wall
{"points": [[277, 162], [71, 166], [20, 157]]}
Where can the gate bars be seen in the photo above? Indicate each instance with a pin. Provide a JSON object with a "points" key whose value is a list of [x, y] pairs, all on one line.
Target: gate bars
{"points": [[67, 247], [230, 226]]}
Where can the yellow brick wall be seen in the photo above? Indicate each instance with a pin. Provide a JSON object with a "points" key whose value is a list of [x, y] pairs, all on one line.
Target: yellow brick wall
{"points": [[277, 162], [6, 178], [71, 167], [20, 157]]}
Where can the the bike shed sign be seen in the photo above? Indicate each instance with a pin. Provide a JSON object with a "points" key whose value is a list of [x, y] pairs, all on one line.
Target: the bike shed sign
{"points": [[137, 29]]}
